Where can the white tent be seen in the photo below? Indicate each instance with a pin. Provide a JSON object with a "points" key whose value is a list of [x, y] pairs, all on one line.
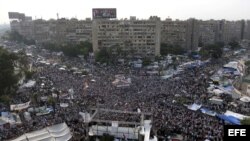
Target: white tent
{"points": [[194, 107], [63, 69], [64, 105], [245, 99], [218, 91], [237, 115], [216, 100], [59, 132]]}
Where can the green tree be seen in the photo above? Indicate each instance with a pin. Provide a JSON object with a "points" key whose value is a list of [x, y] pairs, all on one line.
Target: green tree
{"points": [[34, 98], [71, 49], [146, 61], [12, 68], [213, 51], [15, 36], [245, 121], [247, 63], [234, 44], [52, 101], [8, 77], [171, 49], [103, 55]]}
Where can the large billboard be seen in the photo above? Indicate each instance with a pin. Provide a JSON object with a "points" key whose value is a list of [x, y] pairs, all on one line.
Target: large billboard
{"points": [[13, 15], [103, 13], [16, 15]]}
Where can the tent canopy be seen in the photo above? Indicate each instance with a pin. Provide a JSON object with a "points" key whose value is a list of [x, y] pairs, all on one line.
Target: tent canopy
{"points": [[236, 115], [194, 107], [59, 132], [245, 99], [230, 119]]}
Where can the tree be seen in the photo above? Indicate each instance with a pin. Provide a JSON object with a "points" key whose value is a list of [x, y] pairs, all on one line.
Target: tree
{"points": [[15, 36], [146, 61], [34, 98], [12, 68], [8, 78], [212, 51], [103, 55], [245, 121], [234, 44], [171, 49], [247, 63], [52, 101], [70, 49]]}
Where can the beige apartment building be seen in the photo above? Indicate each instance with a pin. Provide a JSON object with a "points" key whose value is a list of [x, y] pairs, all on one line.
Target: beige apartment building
{"points": [[174, 32], [208, 32], [58, 31], [139, 37], [180, 33]]}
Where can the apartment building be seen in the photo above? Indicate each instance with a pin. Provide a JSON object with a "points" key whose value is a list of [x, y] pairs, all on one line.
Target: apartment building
{"points": [[174, 32], [232, 31], [58, 31], [140, 37], [192, 34], [81, 31], [180, 33], [208, 32], [247, 30]]}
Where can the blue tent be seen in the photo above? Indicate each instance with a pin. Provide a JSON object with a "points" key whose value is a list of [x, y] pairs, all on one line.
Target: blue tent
{"points": [[230, 119]]}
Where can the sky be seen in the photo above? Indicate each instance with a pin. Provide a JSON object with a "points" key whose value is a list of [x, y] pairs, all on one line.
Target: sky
{"points": [[142, 9]]}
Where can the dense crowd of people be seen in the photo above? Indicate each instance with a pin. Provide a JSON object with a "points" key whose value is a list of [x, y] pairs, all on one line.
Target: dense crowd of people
{"points": [[165, 99]]}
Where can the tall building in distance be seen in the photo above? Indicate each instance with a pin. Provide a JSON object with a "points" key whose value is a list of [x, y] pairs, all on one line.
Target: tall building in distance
{"points": [[192, 34], [58, 31], [208, 32], [174, 32], [139, 37]]}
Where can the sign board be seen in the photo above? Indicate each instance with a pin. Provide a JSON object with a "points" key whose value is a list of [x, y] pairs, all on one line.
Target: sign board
{"points": [[16, 15], [103, 13]]}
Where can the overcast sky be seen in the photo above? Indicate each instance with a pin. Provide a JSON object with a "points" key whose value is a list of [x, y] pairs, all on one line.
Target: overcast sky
{"points": [[175, 9]]}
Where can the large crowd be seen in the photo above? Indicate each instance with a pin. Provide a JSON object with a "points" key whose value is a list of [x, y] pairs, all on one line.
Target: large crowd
{"points": [[162, 98]]}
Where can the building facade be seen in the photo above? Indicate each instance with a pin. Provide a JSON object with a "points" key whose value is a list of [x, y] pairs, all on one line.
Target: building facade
{"points": [[139, 37], [58, 31], [174, 32], [208, 32]]}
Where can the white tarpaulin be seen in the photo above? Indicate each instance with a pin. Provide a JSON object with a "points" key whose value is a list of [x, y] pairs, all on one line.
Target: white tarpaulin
{"points": [[64, 105], [29, 84], [59, 132], [194, 107], [217, 91], [215, 100], [237, 115], [245, 99], [19, 106]]}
